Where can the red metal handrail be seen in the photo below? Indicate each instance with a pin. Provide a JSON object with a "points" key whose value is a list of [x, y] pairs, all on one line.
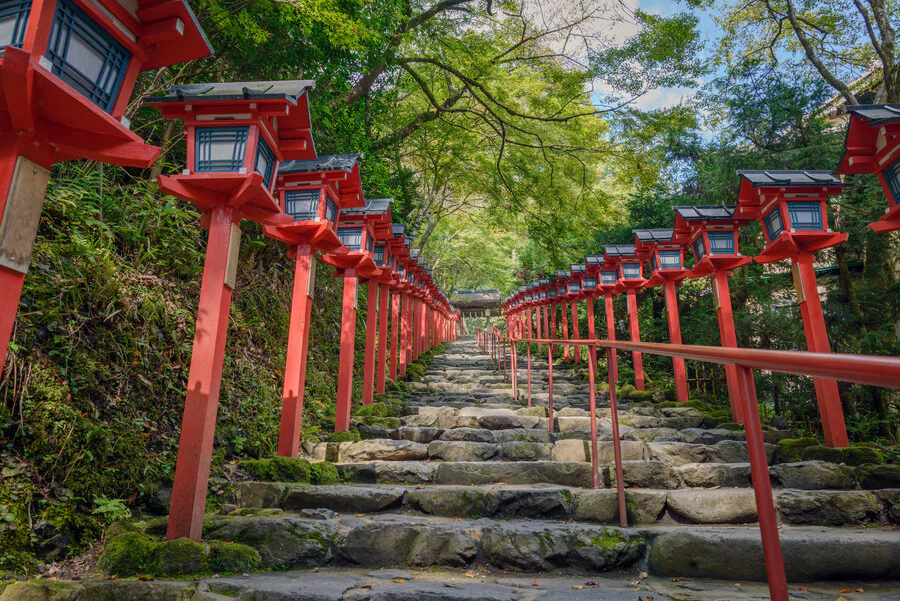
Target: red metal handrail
{"points": [[862, 369]]}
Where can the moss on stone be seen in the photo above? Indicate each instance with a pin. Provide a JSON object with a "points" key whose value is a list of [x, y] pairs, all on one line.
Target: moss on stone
{"points": [[731, 426], [232, 557], [324, 473], [850, 456], [610, 539], [278, 469], [130, 554], [791, 449], [180, 557], [641, 395], [345, 436]]}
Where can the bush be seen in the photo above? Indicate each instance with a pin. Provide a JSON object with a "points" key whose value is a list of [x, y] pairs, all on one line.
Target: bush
{"points": [[323, 473], [344, 436]]}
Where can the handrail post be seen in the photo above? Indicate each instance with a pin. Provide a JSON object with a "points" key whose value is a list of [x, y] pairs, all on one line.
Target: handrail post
{"points": [[592, 365], [762, 488], [513, 366], [613, 375], [550, 385], [528, 357]]}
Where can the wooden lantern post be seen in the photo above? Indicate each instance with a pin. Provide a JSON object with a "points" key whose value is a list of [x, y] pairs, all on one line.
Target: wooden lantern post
{"points": [[377, 215], [667, 270], [400, 254], [873, 146], [63, 97], [630, 279], [312, 192], [712, 234], [790, 206], [352, 262], [573, 294], [562, 290], [237, 133]]}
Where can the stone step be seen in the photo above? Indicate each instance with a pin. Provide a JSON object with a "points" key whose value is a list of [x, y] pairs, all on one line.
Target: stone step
{"points": [[645, 506], [344, 584]]}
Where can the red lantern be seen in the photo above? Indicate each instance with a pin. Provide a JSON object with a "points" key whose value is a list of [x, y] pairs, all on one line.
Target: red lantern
{"points": [[628, 265], [873, 140]]}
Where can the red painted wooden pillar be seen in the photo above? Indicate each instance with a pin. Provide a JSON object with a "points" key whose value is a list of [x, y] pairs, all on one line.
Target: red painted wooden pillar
{"points": [[368, 394], [830, 411], [537, 323], [348, 340], [395, 334], [592, 333], [546, 321], [575, 334], [205, 377], [565, 329], [674, 322], [382, 361], [404, 333], [553, 323], [31, 181], [297, 347], [610, 318], [635, 337], [728, 336]]}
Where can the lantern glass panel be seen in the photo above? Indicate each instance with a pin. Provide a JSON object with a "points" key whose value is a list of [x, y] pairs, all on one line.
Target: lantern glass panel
{"points": [[721, 243], [543, 295], [351, 237], [302, 205], [892, 177], [265, 162], [378, 256], [773, 223], [805, 215], [699, 248], [561, 290], [590, 283], [369, 243], [631, 270], [670, 259], [331, 210], [220, 148], [13, 21], [85, 56], [551, 294], [608, 277], [574, 286], [653, 264]]}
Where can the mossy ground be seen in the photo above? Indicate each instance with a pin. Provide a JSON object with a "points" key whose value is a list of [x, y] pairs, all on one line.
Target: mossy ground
{"points": [[291, 469]]}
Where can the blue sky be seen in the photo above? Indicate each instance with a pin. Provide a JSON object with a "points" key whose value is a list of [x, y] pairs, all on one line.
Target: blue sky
{"points": [[665, 97]]}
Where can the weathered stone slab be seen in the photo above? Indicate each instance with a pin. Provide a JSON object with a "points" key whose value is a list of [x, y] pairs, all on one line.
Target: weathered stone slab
{"points": [[469, 435], [520, 472], [505, 422], [523, 435], [574, 451], [646, 474], [355, 498], [461, 451], [384, 450], [602, 506], [408, 544], [706, 475], [259, 495], [525, 451], [827, 508], [722, 506], [421, 435], [813, 475], [282, 542], [477, 412]]}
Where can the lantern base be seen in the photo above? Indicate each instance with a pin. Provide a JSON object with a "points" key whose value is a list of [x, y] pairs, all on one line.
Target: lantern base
{"points": [[64, 125], [244, 192], [318, 234], [661, 276], [713, 263], [791, 244], [889, 222], [362, 262]]}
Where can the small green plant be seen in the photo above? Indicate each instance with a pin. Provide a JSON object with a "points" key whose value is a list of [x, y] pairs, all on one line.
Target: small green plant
{"points": [[110, 510]]}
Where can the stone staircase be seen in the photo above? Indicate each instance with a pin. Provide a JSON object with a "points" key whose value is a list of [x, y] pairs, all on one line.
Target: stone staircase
{"points": [[469, 479]]}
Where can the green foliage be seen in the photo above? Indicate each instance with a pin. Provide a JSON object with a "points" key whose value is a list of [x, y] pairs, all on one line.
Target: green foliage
{"points": [[110, 509]]}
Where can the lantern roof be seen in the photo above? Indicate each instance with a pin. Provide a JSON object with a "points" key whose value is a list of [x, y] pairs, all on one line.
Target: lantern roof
{"points": [[789, 178], [563, 274], [706, 213], [334, 162], [374, 206], [576, 268], [552, 277], [414, 254], [654, 235], [289, 91], [619, 250], [591, 260], [875, 114], [190, 41], [398, 229], [523, 289], [545, 282]]}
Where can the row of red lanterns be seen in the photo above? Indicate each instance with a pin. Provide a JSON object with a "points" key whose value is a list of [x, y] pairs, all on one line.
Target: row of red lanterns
{"points": [[790, 206], [67, 70]]}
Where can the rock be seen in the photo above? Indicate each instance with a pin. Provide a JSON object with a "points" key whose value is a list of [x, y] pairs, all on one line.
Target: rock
{"points": [[438, 411], [873, 476], [388, 472], [602, 506], [571, 412], [374, 432], [576, 451], [631, 451], [522, 435], [317, 514], [259, 494], [722, 506], [546, 547], [677, 453], [422, 435], [482, 412], [567, 424], [733, 451], [706, 475], [791, 449], [469, 435], [355, 498], [282, 542], [420, 421], [735, 554], [460, 421], [421, 545], [390, 575], [532, 411], [461, 451], [506, 422], [647, 474], [316, 451], [827, 508], [520, 472], [525, 451], [455, 501], [652, 434], [813, 475], [702, 436], [384, 450]]}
